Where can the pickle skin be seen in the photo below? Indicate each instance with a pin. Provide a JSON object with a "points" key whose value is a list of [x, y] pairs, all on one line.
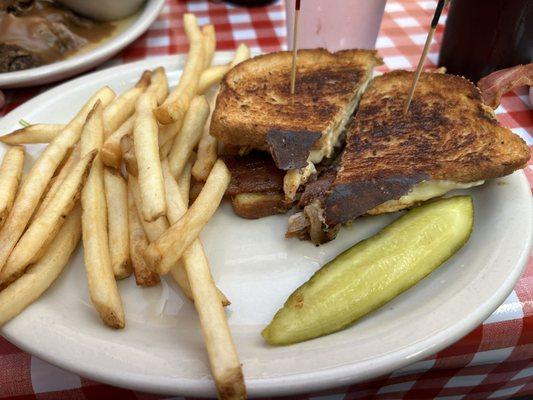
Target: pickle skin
{"points": [[374, 271]]}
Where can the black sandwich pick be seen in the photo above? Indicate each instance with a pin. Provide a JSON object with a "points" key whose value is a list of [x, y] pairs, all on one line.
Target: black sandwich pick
{"points": [[434, 22]]}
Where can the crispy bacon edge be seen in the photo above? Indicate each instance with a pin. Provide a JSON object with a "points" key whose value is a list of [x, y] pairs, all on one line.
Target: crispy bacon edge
{"points": [[495, 85]]}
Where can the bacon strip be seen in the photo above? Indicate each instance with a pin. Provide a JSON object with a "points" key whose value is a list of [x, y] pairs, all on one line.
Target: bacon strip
{"points": [[498, 83]]}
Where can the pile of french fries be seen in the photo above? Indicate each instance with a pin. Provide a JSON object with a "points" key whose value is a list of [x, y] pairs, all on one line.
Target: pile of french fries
{"points": [[118, 176]]}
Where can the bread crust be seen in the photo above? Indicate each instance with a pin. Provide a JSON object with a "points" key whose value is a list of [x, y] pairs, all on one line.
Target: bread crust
{"points": [[448, 134], [255, 97]]}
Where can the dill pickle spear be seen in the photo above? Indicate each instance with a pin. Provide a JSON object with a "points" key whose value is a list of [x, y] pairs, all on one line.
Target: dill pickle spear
{"points": [[374, 271]]}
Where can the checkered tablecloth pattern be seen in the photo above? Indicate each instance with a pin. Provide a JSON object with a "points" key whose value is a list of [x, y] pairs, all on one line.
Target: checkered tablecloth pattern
{"points": [[493, 361]]}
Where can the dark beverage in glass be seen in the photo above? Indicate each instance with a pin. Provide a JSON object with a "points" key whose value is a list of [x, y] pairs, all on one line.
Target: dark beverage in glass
{"points": [[482, 36]]}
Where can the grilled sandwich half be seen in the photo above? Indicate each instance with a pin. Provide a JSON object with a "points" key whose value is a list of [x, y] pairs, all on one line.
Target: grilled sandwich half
{"points": [[449, 139], [255, 109]]}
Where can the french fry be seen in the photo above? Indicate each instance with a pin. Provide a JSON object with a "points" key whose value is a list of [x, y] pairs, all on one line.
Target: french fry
{"points": [[175, 106], [165, 149], [207, 149], [175, 210], [180, 277], [242, 54], [120, 109], [176, 206], [10, 175], [138, 242], [37, 180], [162, 254], [209, 302], [184, 181], [223, 359], [213, 75], [150, 175], [37, 133], [111, 152], [167, 133], [207, 156], [128, 154], [58, 180], [190, 134], [209, 44], [30, 286], [159, 85], [44, 228], [195, 189], [153, 229], [116, 194], [101, 281]]}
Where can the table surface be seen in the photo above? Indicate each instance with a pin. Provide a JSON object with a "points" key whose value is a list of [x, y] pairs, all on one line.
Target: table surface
{"points": [[493, 361]]}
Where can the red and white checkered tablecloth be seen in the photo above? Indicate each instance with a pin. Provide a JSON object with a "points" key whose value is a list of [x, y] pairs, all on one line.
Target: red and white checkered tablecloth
{"points": [[493, 361]]}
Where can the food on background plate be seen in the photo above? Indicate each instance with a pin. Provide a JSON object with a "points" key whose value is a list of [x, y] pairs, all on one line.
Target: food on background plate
{"points": [[34, 33], [103, 10], [374, 271], [448, 140], [37, 32], [255, 110]]}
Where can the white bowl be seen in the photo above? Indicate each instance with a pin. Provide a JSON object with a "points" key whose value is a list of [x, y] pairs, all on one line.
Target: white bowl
{"points": [[103, 10], [84, 61]]}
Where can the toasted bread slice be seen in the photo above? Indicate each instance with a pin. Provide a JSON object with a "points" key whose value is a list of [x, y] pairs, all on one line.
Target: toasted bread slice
{"points": [[259, 205], [256, 187], [447, 135], [255, 108]]}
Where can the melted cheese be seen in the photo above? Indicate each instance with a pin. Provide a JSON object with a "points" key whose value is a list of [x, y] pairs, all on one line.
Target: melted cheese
{"points": [[333, 134], [423, 191]]}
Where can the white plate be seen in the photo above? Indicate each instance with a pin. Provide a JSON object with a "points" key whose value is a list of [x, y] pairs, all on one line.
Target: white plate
{"points": [[82, 62], [161, 349]]}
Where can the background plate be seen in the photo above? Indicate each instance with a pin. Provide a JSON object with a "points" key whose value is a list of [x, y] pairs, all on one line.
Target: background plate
{"points": [[82, 62], [161, 349]]}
